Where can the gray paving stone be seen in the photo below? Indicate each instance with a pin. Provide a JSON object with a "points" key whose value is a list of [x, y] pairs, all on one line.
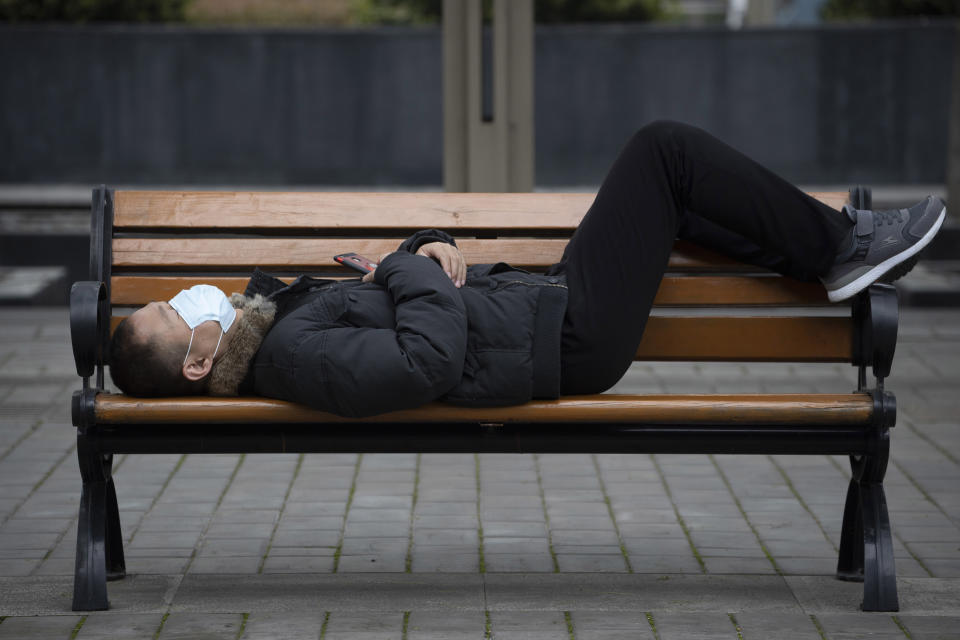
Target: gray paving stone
{"points": [[108, 625], [395, 562], [210, 626], [528, 625], [627, 592], [846, 626], [327, 523], [18, 566], [330, 592], [751, 565], [51, 595], [783, 625], [305, 538], [298, 564], [518, 562], [495, 545], [378, 515], [225, 564], [468, 521], [444, 625], [378, 625], [45, 628], [820, 566], [587, 549], [444, 559], [931, 627], [288, 625], [165, 540], [216, 547], [425, 508], [569, 562], [222, 531], [661, 564], [694, 625], [153, 524], [306, 552], [606, 536], [609, 625], [374, 529], [446, 536], [162, 565], [374, 545], [132, 551], [920, 596]]}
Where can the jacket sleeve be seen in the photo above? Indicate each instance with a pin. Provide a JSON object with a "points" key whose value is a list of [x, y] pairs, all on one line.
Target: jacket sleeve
{"points": [[367, 371], [420, 238]]}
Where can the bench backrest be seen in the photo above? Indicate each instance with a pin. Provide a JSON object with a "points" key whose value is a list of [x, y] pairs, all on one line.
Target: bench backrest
{"points": [[158, 242]]}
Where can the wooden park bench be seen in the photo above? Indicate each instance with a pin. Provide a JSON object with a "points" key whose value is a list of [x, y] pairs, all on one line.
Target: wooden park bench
{"points": [[147, 245]]}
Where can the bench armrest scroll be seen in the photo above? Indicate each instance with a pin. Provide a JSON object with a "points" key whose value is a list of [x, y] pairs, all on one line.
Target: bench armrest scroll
{"points": [[86, 325], [876, 318]]}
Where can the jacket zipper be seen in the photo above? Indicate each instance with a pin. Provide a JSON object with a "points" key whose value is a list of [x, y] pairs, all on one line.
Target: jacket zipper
{"points": [[528, 284]]}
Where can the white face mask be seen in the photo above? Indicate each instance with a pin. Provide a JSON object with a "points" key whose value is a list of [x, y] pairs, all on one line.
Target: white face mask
{"points": [[200, 303]]}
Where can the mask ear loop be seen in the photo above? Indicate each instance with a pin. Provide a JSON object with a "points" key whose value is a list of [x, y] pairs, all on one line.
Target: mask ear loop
{"points": [[190, 344], [215, 349], [187, 355]]}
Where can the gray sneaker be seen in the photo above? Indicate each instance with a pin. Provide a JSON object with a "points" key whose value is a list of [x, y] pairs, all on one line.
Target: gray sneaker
{"points": [[884, 243]]}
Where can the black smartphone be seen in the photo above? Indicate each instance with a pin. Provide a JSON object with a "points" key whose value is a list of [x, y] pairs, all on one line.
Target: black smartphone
{"points": [[356, 261]]}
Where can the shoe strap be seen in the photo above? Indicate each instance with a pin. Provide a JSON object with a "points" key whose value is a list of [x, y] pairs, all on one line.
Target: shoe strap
{"points": [[864, 222]]}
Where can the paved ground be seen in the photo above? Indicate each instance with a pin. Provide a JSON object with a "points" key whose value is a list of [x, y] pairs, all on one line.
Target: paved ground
{"points": [[461, 546]]}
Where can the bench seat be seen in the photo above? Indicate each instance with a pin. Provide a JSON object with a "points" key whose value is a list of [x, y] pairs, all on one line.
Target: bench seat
{"points": [[747, 409]]}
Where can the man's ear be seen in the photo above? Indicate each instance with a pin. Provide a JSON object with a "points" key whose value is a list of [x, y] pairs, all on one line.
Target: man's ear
{"points": [[197, 368]]}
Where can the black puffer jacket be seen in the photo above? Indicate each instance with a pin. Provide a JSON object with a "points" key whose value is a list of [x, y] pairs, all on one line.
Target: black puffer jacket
{"points": [[358, 349]]}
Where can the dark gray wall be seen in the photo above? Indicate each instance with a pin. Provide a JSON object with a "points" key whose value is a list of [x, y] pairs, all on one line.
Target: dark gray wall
{"points": [[171, 105]]}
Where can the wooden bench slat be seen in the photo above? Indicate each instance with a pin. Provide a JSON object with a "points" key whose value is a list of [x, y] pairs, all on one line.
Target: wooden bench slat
{"points": [[791, 409], [746, 339], [674, 291], [736, 339], [302, 210], [317, 253]]}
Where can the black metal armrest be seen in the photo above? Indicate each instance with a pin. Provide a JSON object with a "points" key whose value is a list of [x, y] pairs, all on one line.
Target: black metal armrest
{"points": [[86, 325], [876, 315]]}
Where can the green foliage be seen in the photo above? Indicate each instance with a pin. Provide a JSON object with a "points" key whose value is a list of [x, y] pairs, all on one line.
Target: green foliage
{"points": [[396, 11], [846, 9], [597, 10], [92, 10], [426, 11]]}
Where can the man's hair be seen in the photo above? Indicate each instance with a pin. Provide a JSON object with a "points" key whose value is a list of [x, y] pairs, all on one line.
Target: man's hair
{"points": [[146, 367]]}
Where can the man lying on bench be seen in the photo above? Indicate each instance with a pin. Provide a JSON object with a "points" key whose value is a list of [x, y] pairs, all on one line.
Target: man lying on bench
{"points": [[424, 327]]}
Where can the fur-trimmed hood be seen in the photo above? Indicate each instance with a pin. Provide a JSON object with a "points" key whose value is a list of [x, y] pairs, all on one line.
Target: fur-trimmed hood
{"points": [[257, 318]]}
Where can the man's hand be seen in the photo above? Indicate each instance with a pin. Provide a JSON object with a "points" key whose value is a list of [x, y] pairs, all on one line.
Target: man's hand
{"points": [[447, 255], [368, 277]]}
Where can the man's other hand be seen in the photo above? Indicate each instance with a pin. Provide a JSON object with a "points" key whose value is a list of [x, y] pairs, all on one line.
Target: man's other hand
{"points": [[448, 257], [368, 277]]}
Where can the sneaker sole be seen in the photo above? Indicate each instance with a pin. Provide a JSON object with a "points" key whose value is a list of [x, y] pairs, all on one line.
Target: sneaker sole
{"points": [[856, 286]]}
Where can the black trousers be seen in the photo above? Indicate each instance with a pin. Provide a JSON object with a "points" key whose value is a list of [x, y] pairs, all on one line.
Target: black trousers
{"points": [[674, 180]]}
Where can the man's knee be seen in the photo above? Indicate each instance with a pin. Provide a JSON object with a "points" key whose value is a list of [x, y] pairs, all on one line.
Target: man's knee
{"points": [[660, 132]]}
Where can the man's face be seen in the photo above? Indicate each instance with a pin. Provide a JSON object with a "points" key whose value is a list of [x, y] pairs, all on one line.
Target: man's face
{"points": [[163, 323]]}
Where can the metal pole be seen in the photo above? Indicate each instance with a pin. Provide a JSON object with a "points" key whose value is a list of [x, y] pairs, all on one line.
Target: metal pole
{"points": [[493, 154]]}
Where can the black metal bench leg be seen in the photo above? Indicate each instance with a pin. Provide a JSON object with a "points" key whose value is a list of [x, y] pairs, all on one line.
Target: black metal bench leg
{"points": [[866, 543], [116, 565], [90, 577], [880, 577], [850, 564]]}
